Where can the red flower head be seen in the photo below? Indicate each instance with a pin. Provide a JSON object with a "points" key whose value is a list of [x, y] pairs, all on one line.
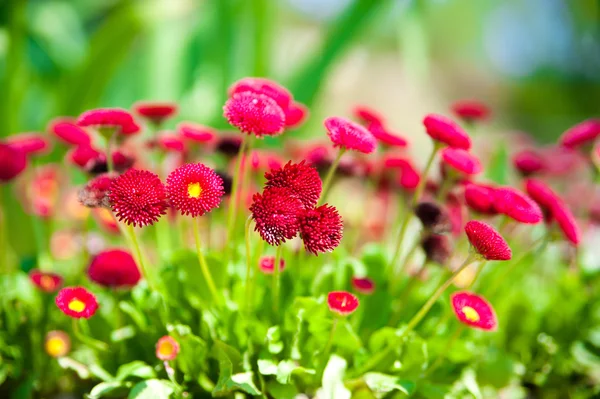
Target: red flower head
{"points": [[349, 135], [276, 213], [70, 133], [471, 111], [57, 344], [12, 162], [437, 248], [114, 268], [462, 161], [363, 285], [29, 143], [156, 112], [567, 223], [110, 118], [138, 197], [95, 193], [76, 302], [265, 160], [267, 264], [529, 162], [445, 131], [196, 133], [409, 177], [45, 281], [543, 195], [368, 115], [301, 178], [487, 241], [516, 205], [580, 134], [342, 302], [262, 86], [321, 229], [254, 113], [194, 189], [473, 310], [170, 143], [167, 348], [295, 115], [83, 155], [480, 198], [385, 137], [97, 165]]}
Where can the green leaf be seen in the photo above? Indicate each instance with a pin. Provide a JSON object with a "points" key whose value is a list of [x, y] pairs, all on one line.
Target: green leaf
{"points": [[333, 379], [470, 381], [97, 371], [110, 390], [70, 364], [122, 334], [152, 389], [286, 368], [136, 315], [136, 369], [229, 360], [274, 343], [381, 383], [267, 367]]}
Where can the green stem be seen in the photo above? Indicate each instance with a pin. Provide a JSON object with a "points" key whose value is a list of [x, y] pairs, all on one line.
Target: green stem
{"points": [[329, 178], [232, 211], [423, 182], [276, 278], [407, 291], [330, 340], [203, 266], [139, 257], [446, 349], [399, 267], [4, 268], [249, 278], [94, 343]]}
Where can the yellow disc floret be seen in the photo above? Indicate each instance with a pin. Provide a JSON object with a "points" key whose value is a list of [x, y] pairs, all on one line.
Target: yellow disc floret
{"points": [[76, 305], [470, 314], [194, 190]]}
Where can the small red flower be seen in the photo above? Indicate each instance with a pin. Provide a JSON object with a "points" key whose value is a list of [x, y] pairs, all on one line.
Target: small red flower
{"points": [[445, 131], [12, 162], [542, 194], [95, 193], [262, 86], [321, 229], [487, 241], [462, 161], [121, 162], [409, 177], [83, 155], [342, 302], [114, 118], [516, 205], [267, 264], [385, 137], [580, 134], [471, 111], [170, 143], [473, 310], [363, 285], [480, 198], [167, 348], [295, 115], [138, 197], [301, 178], [437, 248], [70, 133], [46, 281], [368, 115], [254, 113], [29, 143], [349, 135], [194, 189], [114, 268], [156, 112], [57, 343], [276, 213], [529, 162], [196, 133], [76, 302], [567, 223]]}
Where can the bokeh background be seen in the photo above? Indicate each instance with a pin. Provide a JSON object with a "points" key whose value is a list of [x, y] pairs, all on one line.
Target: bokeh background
{"points": [[536, 62]]}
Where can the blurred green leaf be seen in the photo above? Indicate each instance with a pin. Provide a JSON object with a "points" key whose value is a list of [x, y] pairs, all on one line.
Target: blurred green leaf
{"points": [[381, 383], [116, 389], [333, 379], [137, 369], [70, 364], [152, 389], [229, 380]]}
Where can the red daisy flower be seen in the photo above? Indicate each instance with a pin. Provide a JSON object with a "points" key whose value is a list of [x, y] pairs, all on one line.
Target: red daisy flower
{"points": [[437, 248], [385, 137], [363, 285], [445, 131], [529, 162], [76, 302], [567, 223], [196, 133], [156, 112], [543, 195], [580, 134], [349, 135], [516, 205], [82, 155], [342, 302], [487, 241], [171, 142], [462, 161], [254, 113], [111, 118], [368, 115], [295, 115], [321, 229], [267, 264], [301, 178], [95, 193], [480, 198], [57, 344], [194, 189], [473, 310], [167, 348], [29, 143], [471, 111], [12, 162], [409, 177], [276, 213], [138, 197], [262, 86], [114, 268], [46, 281], [68, 132]]}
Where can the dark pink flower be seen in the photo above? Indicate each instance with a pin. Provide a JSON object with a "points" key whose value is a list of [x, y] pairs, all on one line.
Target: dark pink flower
{"points": [[471, 110], [276, 213], [171, 143], [486, 241], [295, 115], [82, 155], [349, 135], [267, 264], [114, 268], [363, 285], [157, 112], [408, 177], [12, 162], [446, 131], [262, 86], [109, 118], [529, 162], [68, 132], [301, 178], [254, 113], [194, 189], [77, 302], [196, 133], [29, 143], [342, 302], [480, 198], [580, 134], [321, 229], [385, 137], [95, 193], [516, 205], [368, 115], [46, 281], [462, 161], [473, 310]]}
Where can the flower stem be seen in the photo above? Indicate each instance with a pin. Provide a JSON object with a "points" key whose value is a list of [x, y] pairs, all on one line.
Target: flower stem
{"points": [[331, 335], [249, 278], [94, 343], [329, 178], [423, 181], [276, 273], [203, 266], [232, 211], [446, 349], [138, 254], [109, 148]]}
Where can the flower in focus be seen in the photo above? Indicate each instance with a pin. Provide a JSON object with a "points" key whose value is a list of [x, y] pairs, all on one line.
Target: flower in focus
{"points": [[580, 134], [321, 229], [349, 135], [155, 112], [342, 302], [363, 285], [437, 248], [138, 197], [486, 241], [255, 114], [46, 281], [70, 133], [76, 302], [528, 162], [167, 348], [471, 111], [194, 189], [29, 143], [480, 198], [267, 264], [276, 213], [95, 193], [57, 343], [462, 161], [433, 217], [516, 205], [301, 178], [473, 310], [446, 131], [12, 162], [114, 268], [115, 119]]}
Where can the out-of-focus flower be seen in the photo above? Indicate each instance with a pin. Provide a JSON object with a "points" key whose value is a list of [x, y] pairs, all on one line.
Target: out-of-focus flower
{"points": [[30, 143], [363, 285], [276, 213], [12, 162], [486, 241], [433, 217], [68, 132], [229, 145], [437, 248], [46, 281], [446, 131], [43, 191], [385, 137], [194, 189], [295, 115], [301, 178], [471, 111], [368, 115], [171, 143], [121, 162], [581, 134], [254, 113], [342, 302], [528, 162], [167, 348], [267, 264], [196, 133], [114, 268], [408, 177], [480, 198], [155, 112], [116, 119], [321, 229], [516, 205], [462, 161], [95, 193], [474, 311], [106, 220], [349, 135], [57, 343], [77, 302], [261, 160], [82, 155]]}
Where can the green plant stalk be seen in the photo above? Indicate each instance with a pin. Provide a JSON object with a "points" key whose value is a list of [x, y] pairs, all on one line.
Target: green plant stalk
{"points": [[276, 280], [329, 344], [232, 211], [397, 276], [137, 250], [249, 274], [329, 177], [438, 362], [405, 294], [94, 343], [4, 268], [203, 266]]}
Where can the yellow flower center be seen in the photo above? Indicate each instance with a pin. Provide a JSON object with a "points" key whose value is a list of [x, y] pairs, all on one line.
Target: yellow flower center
{"points": [[470, 313], [47, 282], [165, 348], [194, 190], [55, 347], [76, 305]]}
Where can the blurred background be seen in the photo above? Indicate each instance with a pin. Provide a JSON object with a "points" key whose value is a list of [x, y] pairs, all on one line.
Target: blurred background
{"points": [[535, 62]]}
